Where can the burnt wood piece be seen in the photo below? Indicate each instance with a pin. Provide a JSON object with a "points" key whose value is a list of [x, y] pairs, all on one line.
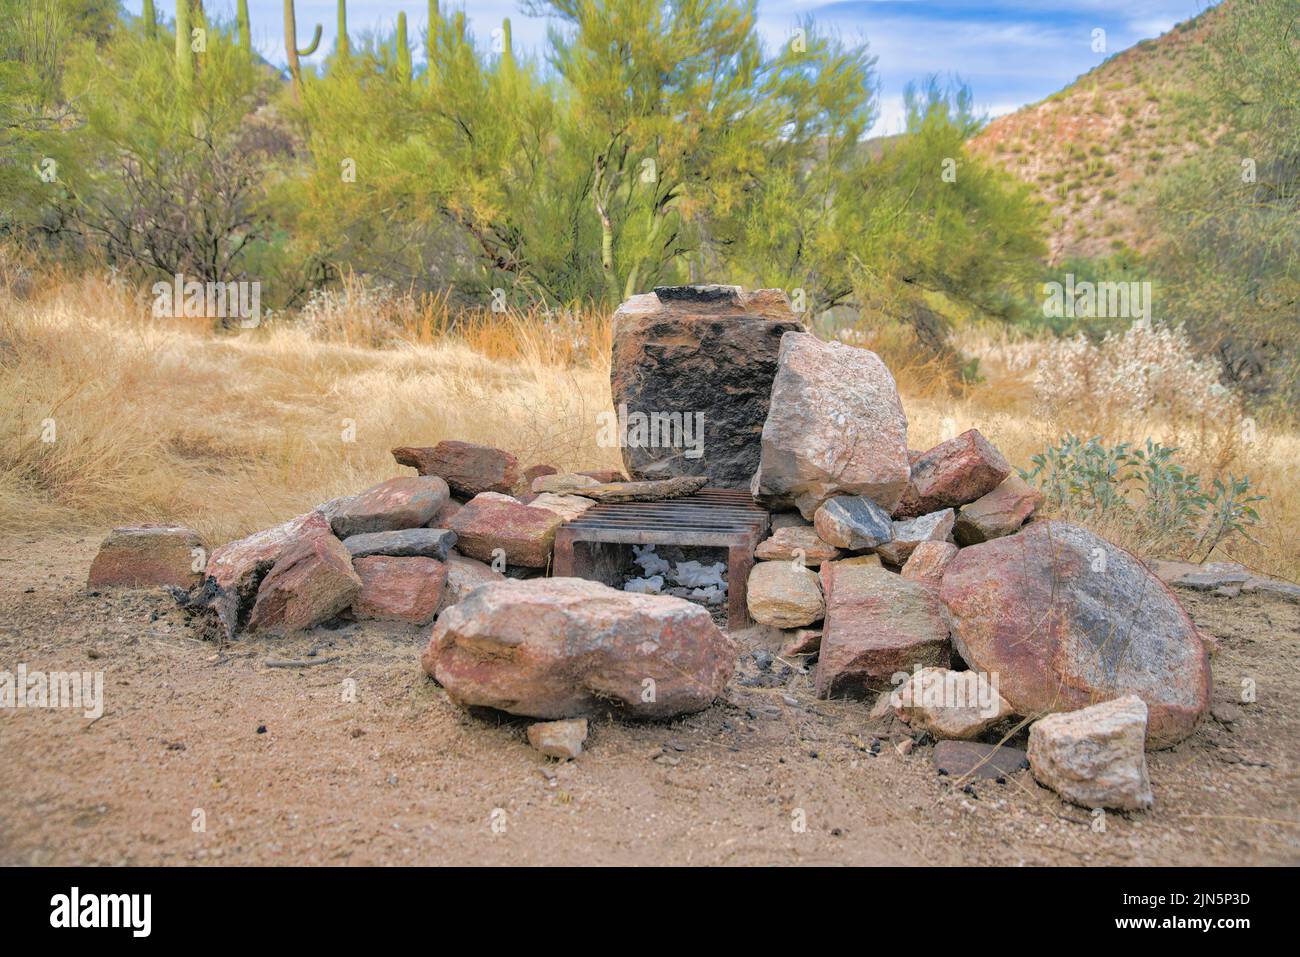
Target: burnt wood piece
{"points": [[648, 492]]}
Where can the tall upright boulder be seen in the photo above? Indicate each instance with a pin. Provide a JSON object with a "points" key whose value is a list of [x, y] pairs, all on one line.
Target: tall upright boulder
{"points": [[835, 426], [691, 377]]}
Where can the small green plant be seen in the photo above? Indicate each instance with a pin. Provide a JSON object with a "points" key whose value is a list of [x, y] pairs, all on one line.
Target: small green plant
{"points": [[1145, 490]]}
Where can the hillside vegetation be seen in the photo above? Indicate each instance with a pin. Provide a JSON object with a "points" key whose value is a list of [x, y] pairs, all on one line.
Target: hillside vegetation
{"points": [[1177, 162], [1097, 151]]}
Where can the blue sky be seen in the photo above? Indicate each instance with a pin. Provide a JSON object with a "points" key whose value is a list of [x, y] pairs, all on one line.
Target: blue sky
{"points": [[1012, 52]]}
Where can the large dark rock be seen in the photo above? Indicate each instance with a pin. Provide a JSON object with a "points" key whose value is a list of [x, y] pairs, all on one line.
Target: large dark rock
{"points": [[706, 350]]}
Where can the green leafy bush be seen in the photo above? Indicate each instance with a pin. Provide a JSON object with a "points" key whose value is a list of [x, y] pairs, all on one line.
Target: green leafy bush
{"points": [[1145, 490]]}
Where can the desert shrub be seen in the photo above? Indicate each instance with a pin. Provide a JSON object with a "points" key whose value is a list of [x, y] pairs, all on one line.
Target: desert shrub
{"points": [[165, 173], [1149, 368], [1145, 490]]}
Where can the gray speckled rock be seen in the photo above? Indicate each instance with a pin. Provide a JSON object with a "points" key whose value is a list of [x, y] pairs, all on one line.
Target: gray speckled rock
{"points": [[406, 502], [853, 522], [835, 427], [407, 542], [911, 532], [1095, 757]]}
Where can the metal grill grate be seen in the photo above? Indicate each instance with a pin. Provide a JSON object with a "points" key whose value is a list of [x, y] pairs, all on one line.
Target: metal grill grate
{"points": [[712, 517]]}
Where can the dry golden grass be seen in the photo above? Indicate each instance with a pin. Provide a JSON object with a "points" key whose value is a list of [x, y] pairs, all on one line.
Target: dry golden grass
{"points": [[155, 420]]}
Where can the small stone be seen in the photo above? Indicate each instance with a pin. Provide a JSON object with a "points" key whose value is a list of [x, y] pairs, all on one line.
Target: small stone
{"points": [[406, 543], [905, 746], [522, 533], [406, 502], [796, 543], [980, 761], [950, 704], [853, 522], [468, 468], [1095, 757], [928, 561], [559, 739], [802, 641], [399, 589], [149, 556], [1001, 512], [784, 595], [911, 532], [1225, 712], [953, 473]]}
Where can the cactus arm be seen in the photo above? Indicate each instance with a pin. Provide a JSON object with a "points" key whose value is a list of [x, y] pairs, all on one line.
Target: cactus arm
{"points": [[342, 39], [310, 48], [245, 28], [403, 50], [184, 60]]}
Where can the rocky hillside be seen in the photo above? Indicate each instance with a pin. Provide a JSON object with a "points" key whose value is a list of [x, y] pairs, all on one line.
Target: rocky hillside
{"points": [[1097, 150]]}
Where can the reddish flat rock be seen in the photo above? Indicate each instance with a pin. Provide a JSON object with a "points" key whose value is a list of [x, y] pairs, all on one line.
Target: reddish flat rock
{"points": [[149, 556], [399, 589], [951, 474], [405, 502], [468, 468], [523, 533], [877, 624], [928, 562], [796, 543], [1001, 512]]}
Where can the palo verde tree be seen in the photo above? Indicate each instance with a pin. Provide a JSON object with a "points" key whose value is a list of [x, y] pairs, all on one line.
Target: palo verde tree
{"points": [[169, 169]]}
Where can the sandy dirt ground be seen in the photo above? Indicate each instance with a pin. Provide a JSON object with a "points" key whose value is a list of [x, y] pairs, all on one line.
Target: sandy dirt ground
{"points": [[279, 768]]}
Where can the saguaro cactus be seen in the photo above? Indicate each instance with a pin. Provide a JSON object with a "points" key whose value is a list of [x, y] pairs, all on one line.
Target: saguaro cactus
{"points": [[245, 27], [291, 51], [507, 54], [403, 51], [149, 17], [184, 57], [341, 43], [431, 38]]}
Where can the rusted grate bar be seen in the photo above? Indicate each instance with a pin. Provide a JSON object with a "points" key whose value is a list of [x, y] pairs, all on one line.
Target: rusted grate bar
{"points": [[716, 518]]}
